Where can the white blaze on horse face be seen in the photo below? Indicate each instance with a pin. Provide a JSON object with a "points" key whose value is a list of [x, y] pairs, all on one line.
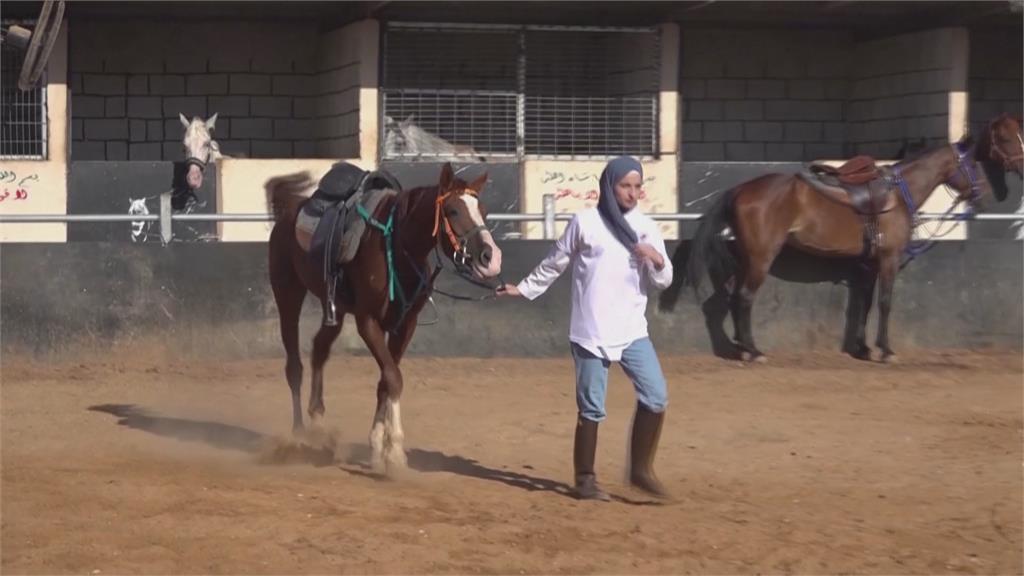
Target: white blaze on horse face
{"points": [[491, 268]]}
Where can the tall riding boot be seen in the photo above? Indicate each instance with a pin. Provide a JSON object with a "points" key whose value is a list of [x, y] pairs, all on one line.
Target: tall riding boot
{"points": [[584, 451], [646, 432]]}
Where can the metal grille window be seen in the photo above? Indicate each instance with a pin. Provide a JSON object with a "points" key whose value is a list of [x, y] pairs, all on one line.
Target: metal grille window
{"points": [[22, 113], [449, 92], [463, 90]]}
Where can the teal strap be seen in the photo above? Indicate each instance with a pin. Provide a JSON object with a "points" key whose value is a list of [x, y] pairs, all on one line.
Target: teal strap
{"points": [[386, 229]]}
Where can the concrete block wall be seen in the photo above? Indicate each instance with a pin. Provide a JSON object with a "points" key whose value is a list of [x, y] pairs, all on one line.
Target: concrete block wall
{"points": [[336, 107], [901, 89], [994, 77], [630, 58], [129, 80], [763, 95]]}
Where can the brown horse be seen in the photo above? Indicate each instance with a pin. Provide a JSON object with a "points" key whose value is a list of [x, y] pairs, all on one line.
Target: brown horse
{"points": [[1001, 142], [448, 217], [775, 210]]}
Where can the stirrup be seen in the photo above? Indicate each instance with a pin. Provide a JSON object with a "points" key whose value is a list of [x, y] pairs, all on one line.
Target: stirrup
{"points": [[330, 311]]}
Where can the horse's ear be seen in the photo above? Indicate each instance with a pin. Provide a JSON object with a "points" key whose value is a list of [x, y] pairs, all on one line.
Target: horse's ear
{"points": [[447, 175], [184, 121], [211, 122], [478, 184]]}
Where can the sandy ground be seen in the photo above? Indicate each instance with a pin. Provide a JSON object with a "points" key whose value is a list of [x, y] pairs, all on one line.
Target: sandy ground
{"points": [[812, 464]]}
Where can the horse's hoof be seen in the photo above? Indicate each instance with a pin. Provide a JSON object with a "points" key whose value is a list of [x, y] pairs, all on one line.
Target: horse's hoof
{"points": [[862, 354], [755, 357], [890, 359], [378, 465], [396, 462]]}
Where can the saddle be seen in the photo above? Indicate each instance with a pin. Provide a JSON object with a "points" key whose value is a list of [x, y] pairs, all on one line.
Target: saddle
{"points": [[329, 227], [861, 185], [856, 171]]}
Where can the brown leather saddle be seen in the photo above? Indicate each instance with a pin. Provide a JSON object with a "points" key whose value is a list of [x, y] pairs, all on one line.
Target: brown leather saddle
{"points": [[859, 183]]}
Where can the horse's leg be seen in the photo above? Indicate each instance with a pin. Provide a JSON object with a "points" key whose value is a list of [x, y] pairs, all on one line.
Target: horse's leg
{"points": [[386, 435], [755, 271], [385, 430], [289, 292], [290, 336], [734, 305], [865, 295], [322, 342], [888, 265]]}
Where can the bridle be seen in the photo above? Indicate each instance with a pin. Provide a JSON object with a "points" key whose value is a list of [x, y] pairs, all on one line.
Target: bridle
{"points": [[460, 256], [963, 166], [195, 161], [966, 169], [201, 163], [459, 242]]}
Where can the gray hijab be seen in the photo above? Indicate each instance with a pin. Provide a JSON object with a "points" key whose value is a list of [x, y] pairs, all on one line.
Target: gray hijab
{"points": [[609, 207]]}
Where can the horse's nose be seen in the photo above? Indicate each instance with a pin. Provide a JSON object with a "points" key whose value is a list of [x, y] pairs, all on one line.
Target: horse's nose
{"points": [[194, 177], [486, 255]]}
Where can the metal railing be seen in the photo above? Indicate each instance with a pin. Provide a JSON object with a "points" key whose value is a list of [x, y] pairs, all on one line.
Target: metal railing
{"points": [[549, 217]]}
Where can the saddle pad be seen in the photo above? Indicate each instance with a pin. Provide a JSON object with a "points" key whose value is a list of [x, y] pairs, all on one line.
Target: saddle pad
{"points": [[355, 225]]}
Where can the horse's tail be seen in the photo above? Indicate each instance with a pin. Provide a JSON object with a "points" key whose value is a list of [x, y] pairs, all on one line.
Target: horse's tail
{"points": [[708, 250], [285, 193]]}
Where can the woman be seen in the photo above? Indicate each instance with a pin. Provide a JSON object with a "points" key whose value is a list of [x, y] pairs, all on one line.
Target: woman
{"points": [[616, 252]]}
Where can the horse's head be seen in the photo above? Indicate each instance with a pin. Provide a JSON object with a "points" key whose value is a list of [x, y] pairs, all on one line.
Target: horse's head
{"points": [[407, 137], [460, 213], [1005, 143], [200, 148], [970, 184], [1001, 150], [394, 137]]}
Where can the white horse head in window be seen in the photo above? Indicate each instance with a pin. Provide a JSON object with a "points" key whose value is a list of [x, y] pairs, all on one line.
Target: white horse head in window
{"points": [[406, 138], [200, 147]]}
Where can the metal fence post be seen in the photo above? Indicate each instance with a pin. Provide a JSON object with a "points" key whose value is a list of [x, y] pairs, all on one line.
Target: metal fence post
{"points": [[549, 216], [165, 218]]}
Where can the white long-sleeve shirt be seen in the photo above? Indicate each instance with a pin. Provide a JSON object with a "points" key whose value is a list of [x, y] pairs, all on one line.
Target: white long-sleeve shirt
{"points": [[609, 288]]}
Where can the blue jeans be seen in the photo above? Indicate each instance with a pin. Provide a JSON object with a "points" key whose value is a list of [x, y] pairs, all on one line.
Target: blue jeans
{"points": [[639, 362]]}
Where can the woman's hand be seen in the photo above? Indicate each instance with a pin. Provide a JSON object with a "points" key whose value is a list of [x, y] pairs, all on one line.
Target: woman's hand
{"points": [[650, 254], [508, 290]]}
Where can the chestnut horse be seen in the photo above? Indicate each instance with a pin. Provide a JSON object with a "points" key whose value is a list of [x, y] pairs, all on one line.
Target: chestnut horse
{"points": [[775, 210], [387, 284]]}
